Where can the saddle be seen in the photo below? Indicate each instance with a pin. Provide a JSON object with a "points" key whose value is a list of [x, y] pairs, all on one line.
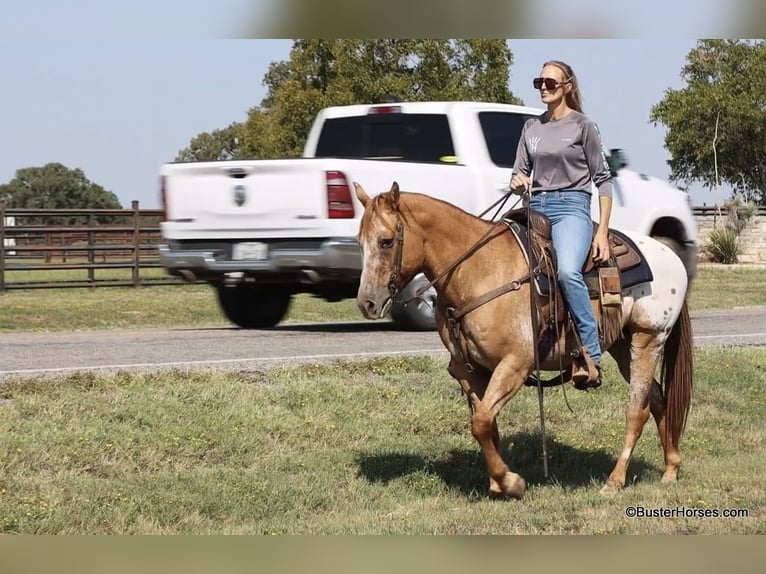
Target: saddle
{"points": [[625, 268]]}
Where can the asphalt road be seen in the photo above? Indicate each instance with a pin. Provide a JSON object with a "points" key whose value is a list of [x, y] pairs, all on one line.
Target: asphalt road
{"points": [[41, 354]]}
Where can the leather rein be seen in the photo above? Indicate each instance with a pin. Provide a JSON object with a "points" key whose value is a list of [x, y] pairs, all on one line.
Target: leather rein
{"points": [[394, 279]]}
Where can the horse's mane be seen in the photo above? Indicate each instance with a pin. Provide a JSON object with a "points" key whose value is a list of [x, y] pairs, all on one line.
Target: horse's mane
{"points": [[405, 197]]}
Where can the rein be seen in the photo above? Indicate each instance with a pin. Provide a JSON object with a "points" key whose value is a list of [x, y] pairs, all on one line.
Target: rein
{"points": [[393, 288], [533, 306]]}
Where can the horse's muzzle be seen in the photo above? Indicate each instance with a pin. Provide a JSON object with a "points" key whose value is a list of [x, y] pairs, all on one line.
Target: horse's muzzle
{"points": [[372, 309]]}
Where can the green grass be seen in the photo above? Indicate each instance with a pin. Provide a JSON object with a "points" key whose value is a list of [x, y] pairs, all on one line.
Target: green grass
{"points": [[196, 305], [722, 287], [374, 447], [145, 307]]}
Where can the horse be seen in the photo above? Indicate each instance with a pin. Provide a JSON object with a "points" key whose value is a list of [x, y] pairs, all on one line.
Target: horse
{"points": [[478, 266]]}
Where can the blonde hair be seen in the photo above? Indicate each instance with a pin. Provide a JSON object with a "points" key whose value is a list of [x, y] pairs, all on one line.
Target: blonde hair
{"points": [[574, 96]]}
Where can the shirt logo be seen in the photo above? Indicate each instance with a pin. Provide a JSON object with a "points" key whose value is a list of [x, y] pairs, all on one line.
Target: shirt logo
{"points": [[532, 143]]}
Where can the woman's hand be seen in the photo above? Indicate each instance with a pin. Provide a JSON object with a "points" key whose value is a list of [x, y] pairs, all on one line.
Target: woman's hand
{"points": [[600, 251], [520, 183]]}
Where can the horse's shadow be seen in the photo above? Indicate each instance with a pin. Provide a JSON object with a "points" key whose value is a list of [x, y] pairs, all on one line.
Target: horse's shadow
{"points": [[464, 470]]}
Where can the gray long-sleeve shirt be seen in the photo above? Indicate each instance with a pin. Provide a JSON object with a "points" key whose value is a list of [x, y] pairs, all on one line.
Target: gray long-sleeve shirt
{"points": [[565, 153]]}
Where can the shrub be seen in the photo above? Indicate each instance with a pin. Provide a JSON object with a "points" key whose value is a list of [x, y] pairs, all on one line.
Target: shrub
{"points": [[723, 245]]}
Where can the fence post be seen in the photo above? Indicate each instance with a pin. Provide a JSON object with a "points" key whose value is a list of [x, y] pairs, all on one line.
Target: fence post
{"points": [[2, 248], [91, 249], [136, 243]]}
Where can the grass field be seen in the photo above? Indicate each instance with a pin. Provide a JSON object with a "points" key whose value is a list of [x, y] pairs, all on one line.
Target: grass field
{"points": [[193, 305], [375, 447]]}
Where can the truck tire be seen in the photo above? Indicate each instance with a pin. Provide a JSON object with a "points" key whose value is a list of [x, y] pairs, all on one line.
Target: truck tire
{"points": [[252, 306], [418, 315]]}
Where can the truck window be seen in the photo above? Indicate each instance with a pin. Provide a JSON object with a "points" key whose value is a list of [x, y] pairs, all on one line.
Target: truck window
{"points": [[424, 138], [502, 131]]}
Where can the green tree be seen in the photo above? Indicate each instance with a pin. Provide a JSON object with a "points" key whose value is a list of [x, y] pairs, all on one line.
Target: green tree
{"points": [[217, 145], [55, 186], [717, 123], [323, 73]]}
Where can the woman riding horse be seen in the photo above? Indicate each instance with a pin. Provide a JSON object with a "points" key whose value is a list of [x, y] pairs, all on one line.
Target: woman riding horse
{"points": [[483, 315]]}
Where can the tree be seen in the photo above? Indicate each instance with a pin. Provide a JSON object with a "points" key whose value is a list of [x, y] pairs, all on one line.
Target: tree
{"points": [[322, 73], [214, 146], [55, 186], [717, 123]]}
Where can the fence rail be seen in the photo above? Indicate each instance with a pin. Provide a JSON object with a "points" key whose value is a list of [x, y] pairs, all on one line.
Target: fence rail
{"points": [[55, 248], [722, 210]]}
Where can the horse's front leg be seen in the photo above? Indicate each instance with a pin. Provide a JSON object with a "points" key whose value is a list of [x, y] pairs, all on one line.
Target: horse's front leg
{"points": [[507, 378], [486, 398]]}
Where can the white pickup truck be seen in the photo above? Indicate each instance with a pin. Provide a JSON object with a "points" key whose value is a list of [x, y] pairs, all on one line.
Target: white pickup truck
{"points": [[261, 231]]}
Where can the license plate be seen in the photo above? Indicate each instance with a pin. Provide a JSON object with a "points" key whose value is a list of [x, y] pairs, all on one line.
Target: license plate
{"points": [[250, 251]]}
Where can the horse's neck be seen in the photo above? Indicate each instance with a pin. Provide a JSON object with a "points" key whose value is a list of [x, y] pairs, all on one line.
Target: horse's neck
{"points": [[448, 233]]}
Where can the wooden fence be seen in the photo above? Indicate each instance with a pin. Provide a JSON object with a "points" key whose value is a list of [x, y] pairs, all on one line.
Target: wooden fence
{"points": [[54, 248]]}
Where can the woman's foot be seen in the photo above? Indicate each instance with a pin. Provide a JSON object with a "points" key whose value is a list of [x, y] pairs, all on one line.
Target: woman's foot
{"points": [[587, 376]]}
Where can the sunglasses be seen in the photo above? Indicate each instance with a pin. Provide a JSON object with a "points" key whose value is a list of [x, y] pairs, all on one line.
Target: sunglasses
{"points": [[550, 83]]}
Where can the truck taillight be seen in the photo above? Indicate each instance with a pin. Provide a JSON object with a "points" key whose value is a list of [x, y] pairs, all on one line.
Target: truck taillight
{"points": [[385, 110], [163, 198], [339, 203]]}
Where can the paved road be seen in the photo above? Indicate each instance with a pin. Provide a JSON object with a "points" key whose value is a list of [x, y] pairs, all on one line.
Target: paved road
{"points": [[39, 354]]}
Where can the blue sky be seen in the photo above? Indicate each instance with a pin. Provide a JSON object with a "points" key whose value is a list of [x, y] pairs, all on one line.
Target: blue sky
{"points": [[119, 98]]}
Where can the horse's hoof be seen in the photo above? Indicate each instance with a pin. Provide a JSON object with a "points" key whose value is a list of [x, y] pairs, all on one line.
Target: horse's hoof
{"points": [[669, 477], [513, 485], [610, 487]]}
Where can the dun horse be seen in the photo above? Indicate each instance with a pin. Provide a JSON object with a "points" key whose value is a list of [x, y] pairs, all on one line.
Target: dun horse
{"points": [[479, 267]]}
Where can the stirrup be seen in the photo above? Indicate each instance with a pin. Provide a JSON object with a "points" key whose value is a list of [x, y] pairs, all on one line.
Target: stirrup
{"points": [[584, 381], [588, 375]]}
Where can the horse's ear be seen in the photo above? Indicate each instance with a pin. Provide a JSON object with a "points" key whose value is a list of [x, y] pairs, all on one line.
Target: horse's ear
{"points": [[361, 195], [393, 196]]}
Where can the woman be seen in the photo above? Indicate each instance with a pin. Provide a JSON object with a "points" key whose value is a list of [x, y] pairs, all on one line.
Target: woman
{"points": [[558, 157]]}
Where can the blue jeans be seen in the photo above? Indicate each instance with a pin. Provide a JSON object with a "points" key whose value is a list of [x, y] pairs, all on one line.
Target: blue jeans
{"points": [[572, 230]]}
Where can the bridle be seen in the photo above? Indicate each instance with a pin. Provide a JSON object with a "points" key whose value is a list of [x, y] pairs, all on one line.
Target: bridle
{"points": [[396, 273]]}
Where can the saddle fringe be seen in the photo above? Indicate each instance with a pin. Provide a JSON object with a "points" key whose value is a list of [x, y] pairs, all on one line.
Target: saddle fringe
{"points": [[611, 325]]}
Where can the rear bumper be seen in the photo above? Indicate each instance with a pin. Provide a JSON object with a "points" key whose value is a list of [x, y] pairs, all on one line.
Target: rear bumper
{"points": [[333, 257]]}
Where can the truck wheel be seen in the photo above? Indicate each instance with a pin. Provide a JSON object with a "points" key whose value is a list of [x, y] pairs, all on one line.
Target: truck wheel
{"points": [[253, 306], [418, 315]]}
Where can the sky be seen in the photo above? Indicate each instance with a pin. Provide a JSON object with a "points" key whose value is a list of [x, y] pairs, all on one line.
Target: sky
{"points": [[116, 89]]}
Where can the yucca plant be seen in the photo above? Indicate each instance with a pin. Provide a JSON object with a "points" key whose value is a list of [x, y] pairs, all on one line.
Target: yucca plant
{"points": [[723, 245]]}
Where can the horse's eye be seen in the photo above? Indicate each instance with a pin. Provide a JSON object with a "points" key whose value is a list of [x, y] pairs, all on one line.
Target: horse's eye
{"points": [[386, 243]]}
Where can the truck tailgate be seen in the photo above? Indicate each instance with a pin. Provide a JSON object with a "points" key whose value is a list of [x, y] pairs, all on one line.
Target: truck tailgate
{"points": [[268, 198]]}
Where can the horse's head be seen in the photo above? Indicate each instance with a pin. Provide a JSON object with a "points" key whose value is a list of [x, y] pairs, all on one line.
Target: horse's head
{"points": [[387, 267]]}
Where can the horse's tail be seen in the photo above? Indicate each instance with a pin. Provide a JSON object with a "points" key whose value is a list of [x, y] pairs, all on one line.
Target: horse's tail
{"points": [[677, 375]]}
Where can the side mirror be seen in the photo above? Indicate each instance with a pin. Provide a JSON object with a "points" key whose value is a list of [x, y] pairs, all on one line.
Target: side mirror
{"points": [[617, 160]]}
